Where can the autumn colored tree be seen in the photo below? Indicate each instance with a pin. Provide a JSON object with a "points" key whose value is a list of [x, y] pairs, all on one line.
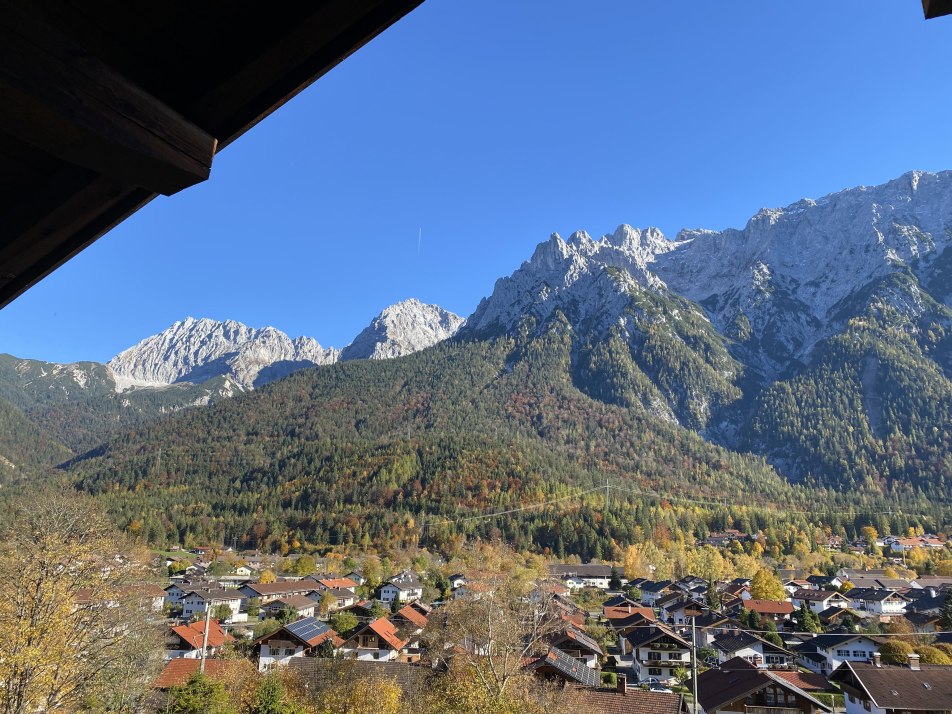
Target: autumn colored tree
{"points": [[360, 695], [267, 576], [895, 651], [66, 574], [766, 586], [200, 695], [486, 637]]}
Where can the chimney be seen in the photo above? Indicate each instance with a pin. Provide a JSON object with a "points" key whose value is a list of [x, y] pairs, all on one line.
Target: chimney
{"points": [[621, 684], [877, 659], [914, 662], [758, 661]]}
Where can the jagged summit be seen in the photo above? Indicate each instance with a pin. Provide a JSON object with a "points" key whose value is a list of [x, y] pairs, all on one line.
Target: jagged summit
{"points": [[401, 329], [194, 350], [789, 272]]}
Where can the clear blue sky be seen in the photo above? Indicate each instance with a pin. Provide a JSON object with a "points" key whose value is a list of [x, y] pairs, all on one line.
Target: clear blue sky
{"points": [[489, 124]]}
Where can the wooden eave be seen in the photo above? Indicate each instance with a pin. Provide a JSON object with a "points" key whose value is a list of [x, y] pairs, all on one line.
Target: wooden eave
{"points": [[108, 104], [936, 8]]}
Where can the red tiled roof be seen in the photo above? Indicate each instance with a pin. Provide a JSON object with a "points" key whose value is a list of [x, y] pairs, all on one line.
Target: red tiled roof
{"points": [[770, 607], [807, 681], [413, 615], [338, 583], [623, 612], [633, 701], [178, 671], [193, 634], [388, 632]]}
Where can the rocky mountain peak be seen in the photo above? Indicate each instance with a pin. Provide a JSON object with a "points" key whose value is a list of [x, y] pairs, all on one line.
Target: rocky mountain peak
{"points": [[194, 350], [402, 329]]}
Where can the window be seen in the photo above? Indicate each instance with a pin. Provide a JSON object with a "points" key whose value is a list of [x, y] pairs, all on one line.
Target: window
{"points": [[654, 671], [288, 651], [654, 656], [859, 653], [674, 655], [842, 653], [866, 705]]}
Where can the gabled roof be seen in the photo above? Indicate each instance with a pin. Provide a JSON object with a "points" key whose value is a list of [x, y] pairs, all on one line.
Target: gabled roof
{"points": [[623, 614], [298, 602], [178, 671], [770, 607], [815, 595], [654, 586], [646, 635], [579, 638], [807, 681], [567, 667], [589, 570], [213, 594], [717, 687], [731, 642], [631, 701], [285, 586], [412, 615], [828, 642], [194, 633], [331, 583], [620, 601], [897, 687], [873, 594], [384, 629]]}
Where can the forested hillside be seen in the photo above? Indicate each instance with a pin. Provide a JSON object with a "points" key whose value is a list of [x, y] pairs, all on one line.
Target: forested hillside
{"points": [[392, 452]]}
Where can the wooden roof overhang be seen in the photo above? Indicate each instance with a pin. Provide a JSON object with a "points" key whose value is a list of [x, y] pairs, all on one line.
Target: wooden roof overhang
{"points": [[106, 104], [936, 8]]}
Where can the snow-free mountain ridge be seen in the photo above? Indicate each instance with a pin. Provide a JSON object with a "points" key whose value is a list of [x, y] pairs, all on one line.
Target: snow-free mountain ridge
{"points": [[786, 278], [402, 329], [195, 350]]}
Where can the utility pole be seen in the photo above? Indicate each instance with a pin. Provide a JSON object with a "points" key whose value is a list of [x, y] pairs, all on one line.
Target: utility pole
{"points": [[693, 665], [607, 487], [208, 619]]}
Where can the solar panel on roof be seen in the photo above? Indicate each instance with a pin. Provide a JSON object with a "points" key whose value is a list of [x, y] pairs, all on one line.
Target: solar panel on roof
{"points": [[307, 629]]}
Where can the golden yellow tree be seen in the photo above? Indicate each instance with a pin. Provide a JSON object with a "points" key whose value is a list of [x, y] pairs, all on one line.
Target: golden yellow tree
{"points": [[75, 632]]}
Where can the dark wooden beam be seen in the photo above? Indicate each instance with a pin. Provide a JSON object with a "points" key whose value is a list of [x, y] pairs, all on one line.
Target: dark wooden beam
{"points": [[80, 208], [309, 49], [60, 99], [936, 8], [139, 108]]}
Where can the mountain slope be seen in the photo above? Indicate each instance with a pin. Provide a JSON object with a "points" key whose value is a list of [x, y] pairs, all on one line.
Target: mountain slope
{"points": [[24, 447], [80, 406]]}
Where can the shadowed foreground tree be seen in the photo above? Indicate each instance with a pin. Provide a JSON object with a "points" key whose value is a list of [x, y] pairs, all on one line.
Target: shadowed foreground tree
{"points": [[484, 639], [76, 635]]}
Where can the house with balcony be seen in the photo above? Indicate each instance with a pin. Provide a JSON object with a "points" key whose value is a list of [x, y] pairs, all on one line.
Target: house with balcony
{"points": [[402, 588], [197, 601], [297, 639], [824, 653], [818, 600], [576, 643], [877, 603], [657, 651], [751, 648], [741, 688], [876, 688], [378, 641]]}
